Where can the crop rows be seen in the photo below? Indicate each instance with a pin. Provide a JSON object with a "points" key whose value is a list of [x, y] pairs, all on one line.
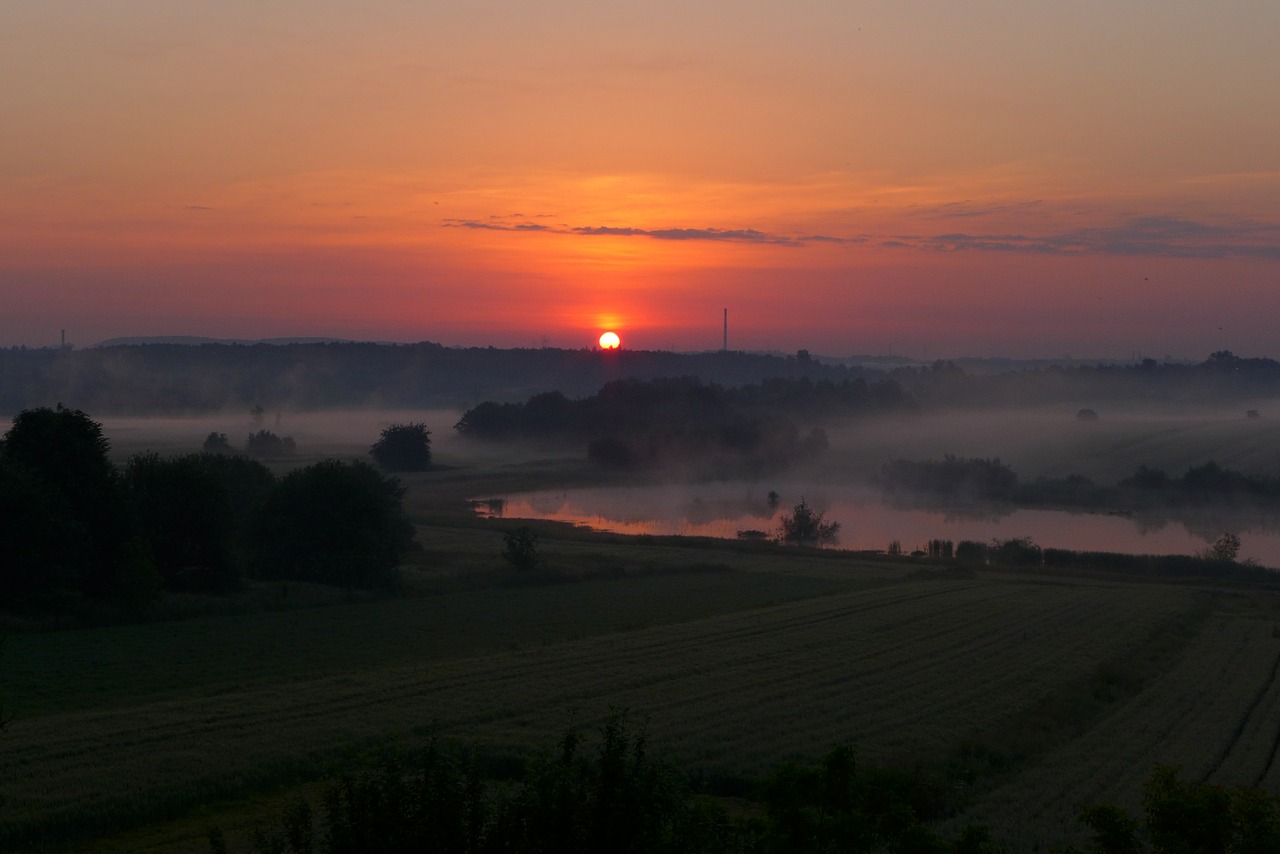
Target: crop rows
{"points": [[897, 670], [1214, 714]]}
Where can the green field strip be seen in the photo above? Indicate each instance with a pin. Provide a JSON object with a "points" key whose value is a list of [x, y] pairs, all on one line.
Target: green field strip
{"points": [[225, 726], [95, 668], [748, 687]]}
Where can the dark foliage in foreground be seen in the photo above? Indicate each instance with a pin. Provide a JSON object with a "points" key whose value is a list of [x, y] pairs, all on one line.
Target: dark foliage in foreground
{"points": [[1186, 817], [621, 800]]}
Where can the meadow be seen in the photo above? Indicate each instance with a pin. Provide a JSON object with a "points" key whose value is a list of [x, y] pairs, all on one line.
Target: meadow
{"points": [[1037, 692]]}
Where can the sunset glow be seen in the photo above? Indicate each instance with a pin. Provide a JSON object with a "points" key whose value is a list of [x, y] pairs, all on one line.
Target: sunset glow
{"points": [[610, 341], [847, 178]]}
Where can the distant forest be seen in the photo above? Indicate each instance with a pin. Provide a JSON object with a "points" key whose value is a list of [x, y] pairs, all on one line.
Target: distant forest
{"points": [[146, 379]]}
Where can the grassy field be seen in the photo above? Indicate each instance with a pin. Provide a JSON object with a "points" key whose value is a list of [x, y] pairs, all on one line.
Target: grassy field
{"points": [[139, 736]]}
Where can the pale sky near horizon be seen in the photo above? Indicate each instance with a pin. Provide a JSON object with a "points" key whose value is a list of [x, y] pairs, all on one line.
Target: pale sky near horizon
{"points": [[936, 178]]}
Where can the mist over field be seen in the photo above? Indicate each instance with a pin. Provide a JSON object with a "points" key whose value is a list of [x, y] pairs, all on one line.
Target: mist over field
{"points": [[1051, 441]]}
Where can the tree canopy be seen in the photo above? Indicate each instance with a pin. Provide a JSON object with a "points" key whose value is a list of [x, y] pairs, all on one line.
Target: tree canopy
{"points": [[403, 447]]}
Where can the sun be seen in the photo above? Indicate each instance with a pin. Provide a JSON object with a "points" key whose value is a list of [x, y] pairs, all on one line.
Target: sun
{"points": [[610, 341]]}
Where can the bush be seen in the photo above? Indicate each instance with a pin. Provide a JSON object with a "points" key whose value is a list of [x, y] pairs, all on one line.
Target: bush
{"points": [[806, 526], [403, 447], [217, 443], [520, 549], [333, 523], [264, 443], [621, 801]]}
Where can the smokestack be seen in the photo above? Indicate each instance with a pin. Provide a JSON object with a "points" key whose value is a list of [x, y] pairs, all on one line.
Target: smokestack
{"points": [[725, 348], [64, 339]]}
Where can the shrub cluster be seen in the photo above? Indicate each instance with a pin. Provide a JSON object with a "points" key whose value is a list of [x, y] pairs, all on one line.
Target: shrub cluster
{"points": [[403, 447], [621, 800], [960, 479], [72, 525]]}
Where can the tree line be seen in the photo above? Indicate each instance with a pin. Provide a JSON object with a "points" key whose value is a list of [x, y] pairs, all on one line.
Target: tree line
{"points": [[73, 525], [682, 422], [966, 480], [173, 378], [212, 377]]}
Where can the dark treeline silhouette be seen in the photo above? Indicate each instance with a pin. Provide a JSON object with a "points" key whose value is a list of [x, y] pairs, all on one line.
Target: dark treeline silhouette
{"points": [[1222, 378], [154, 378], [969, 480], [1217, 562], [683, 422], [73, 527]]}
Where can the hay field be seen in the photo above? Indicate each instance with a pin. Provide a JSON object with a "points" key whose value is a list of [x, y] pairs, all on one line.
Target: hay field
{"points": [[906, 670]]}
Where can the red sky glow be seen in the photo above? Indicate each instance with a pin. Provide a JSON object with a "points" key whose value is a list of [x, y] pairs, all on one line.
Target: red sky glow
{"points": [[938, 179]]}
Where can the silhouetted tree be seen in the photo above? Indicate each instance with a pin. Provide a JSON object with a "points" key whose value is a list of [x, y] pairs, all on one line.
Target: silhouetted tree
{"points": [[332, 522], [217, 443], [520, 548], [1225, 548], [806, 526], [403, 447], [264, 443], [65, 526], [1015, 551]]}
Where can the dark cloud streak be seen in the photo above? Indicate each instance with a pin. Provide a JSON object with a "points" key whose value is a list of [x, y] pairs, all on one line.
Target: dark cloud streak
{"points": [[1143, 236]]}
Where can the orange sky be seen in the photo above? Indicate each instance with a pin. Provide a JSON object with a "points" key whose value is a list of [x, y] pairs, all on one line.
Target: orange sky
{"points": [[938, 178]]}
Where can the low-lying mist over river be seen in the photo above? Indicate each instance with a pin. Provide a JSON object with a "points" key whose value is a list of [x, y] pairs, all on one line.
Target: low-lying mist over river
{"points": [[866, 522]]}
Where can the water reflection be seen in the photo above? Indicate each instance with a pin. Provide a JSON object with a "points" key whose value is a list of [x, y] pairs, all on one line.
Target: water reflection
{"points": [[867, 522]]}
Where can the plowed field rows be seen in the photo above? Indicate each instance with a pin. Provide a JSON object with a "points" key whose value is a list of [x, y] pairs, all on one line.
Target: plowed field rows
{"points": [[899, 669]]}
